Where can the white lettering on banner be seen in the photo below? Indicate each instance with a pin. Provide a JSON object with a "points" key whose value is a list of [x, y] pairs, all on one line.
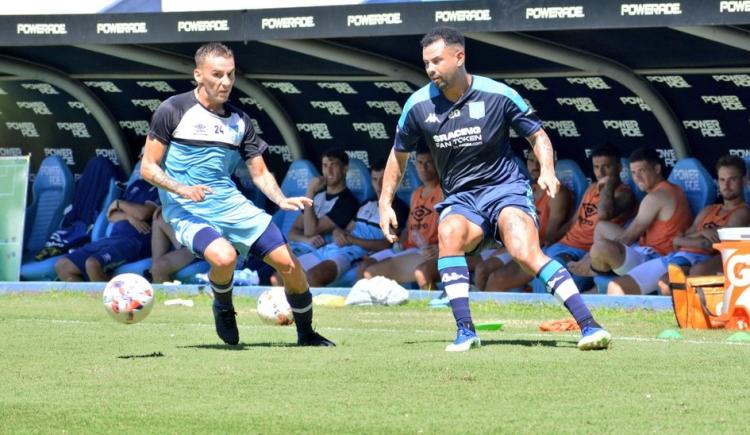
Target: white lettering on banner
{"points": [[590, 82], [733, 7], [390, 107], [738, 277], [319, 130], [650, 9], [728, 102], [41, 29], [373, 19], [121, 28], [376, 130], [742, 153], [739, 80], [636, 101], [690, 178], [139, 127], [64, 153], [203, 26], [284, 87], [256, 126], [151, 104], [564, 128], [397, 87], [158, 85], [627, 127], [78, 129], [668, 156], [707, 127], [108, 153], [27, 129], [340, 87], [677, 82], [461, 137], [359, 155], [287, 22], [582, 104], [528, 84], [107, 87], [555, 12], [462, 15], [38, 107], [251, 102], [333, 107], [10, 152], [79, 105], [42, 88], [283, 151]]}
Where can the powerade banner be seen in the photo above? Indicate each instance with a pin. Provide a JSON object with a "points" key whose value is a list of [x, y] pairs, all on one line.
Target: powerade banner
{"points": [[14, 172], [579, 114], [134, 25]]}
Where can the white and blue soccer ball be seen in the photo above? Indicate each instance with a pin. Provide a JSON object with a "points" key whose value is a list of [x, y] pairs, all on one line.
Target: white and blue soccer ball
{"points": [[273, 307], [128, 298]]}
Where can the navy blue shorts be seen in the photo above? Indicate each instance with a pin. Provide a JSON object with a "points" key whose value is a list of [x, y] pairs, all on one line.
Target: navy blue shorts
{"points": [[111, 252], [482, 206], [269, 240]]}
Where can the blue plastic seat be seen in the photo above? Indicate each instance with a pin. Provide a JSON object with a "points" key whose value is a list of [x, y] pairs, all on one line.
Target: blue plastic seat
{"points": [[627, 178], [359, 182], [295, 183], [695, 181], [747, 183], [571, 175], [409, 183]]}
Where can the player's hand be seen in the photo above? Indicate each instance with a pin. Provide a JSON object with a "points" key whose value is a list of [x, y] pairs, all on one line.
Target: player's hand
{"points": [[604, 181], [340, 237], [711, 235], [316, 241], [295, 203], [549, 183], [139, 225], [315, 185], [194, 193], [388, 223]]}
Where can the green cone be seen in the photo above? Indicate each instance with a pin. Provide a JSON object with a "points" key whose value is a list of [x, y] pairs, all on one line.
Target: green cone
{"points": [[739, 336], [670, 334]]}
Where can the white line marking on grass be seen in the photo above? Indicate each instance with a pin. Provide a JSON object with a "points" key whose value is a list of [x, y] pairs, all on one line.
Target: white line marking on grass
{"points": [[501, 334]]}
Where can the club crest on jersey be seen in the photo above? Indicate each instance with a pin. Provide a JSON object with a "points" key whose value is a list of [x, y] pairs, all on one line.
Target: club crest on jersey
{"points": [[476, 110], [432, 118]]}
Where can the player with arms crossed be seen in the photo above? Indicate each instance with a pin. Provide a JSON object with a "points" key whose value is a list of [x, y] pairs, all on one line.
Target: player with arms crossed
{"points": [[199, 138], [465, 120]]}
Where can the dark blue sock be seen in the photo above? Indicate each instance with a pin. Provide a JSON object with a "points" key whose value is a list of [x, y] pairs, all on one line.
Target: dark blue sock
{"points": [[302, 307], [222, 292]]}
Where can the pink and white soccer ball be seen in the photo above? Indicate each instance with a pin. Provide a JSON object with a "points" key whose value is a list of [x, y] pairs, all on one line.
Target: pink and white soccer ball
{"points": [[273, 307], [128, 298]]}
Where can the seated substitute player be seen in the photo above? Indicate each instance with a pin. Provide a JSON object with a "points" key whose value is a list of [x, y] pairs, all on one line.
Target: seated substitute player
{"points": [[419, 239], [168, 256], [206, 136], [362, 235], [333, 208], [663, 214], [465, 120], [696, 244], [128, 241], [499, 272]]}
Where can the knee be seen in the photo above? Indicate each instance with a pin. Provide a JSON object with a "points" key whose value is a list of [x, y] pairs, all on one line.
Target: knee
{"points": [[64, 268], [368, 273], [223, 258], [451, 234], [93, 264], [614, 288]]}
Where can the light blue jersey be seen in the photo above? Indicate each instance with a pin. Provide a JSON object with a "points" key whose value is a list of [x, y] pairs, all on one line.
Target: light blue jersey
{"points": [[205, 148]]}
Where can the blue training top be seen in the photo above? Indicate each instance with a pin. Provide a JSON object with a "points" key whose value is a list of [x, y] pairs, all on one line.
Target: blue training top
{"points": [[469, 138]]}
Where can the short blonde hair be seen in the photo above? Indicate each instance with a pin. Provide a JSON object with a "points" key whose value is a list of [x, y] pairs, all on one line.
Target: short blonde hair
{"points": [[212, 49]]}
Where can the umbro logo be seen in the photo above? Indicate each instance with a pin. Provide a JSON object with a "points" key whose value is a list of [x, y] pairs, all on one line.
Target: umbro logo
{"points": [[432, 118], [453, 276]]}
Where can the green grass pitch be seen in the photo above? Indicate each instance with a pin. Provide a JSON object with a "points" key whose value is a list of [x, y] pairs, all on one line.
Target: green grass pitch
{"points": [[66, 367]]}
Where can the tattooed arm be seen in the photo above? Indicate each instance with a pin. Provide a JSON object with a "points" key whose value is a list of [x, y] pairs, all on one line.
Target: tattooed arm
{"points": [[542, 148], [152, 172], [264, 180]]}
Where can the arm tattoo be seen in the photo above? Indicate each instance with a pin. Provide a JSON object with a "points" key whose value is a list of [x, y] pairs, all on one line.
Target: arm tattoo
{"points": [[270, 188], [163, 181]]}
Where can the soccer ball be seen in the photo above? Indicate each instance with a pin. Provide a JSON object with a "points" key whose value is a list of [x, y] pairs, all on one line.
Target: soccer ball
{"points": [[128, 298], [273, 307]]}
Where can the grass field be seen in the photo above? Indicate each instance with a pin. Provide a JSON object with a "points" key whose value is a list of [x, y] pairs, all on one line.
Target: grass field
{"points": [[66, 367]]}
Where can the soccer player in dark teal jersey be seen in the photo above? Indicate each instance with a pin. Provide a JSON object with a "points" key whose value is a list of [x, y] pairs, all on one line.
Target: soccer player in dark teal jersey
{"points": [[465, 120], [195, 141]]}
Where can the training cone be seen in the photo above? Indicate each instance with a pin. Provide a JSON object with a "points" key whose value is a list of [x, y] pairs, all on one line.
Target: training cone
{"points": [[670, 334], [488, 326], [739, 336]]}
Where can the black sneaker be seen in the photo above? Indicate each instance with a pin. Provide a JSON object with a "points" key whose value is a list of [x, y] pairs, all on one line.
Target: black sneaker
{"points": [[226, 323], [314, 339]]}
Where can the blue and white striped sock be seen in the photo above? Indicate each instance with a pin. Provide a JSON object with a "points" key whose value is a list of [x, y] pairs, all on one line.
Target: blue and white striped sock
{"points": [[558, 282], [454, 273]]}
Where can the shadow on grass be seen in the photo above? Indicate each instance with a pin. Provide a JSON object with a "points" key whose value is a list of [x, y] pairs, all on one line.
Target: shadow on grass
{"points": [[147, 355], [516, 342], [240, 346]]}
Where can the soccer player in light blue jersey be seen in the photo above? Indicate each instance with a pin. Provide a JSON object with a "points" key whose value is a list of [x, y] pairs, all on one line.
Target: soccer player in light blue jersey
{"points": [[195, 141], [465, 120]]}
